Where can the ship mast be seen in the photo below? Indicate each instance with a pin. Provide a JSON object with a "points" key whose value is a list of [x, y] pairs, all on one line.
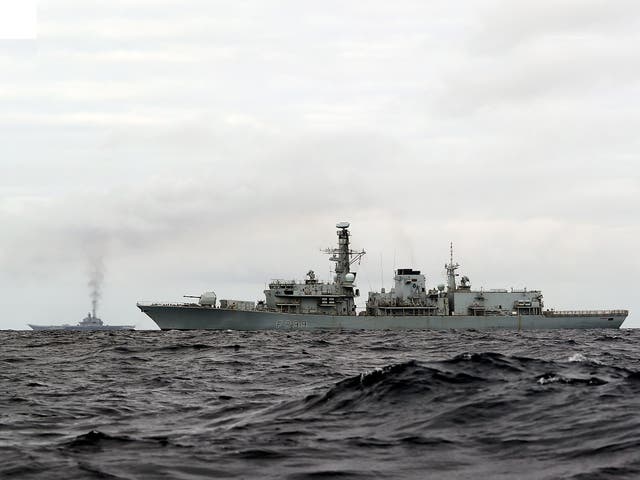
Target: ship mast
{"points": [[451, 270], [343, 255]]}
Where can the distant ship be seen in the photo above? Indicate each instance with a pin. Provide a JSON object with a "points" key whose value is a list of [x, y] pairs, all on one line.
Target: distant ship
{"points": [[89, 323], [315, 305]]}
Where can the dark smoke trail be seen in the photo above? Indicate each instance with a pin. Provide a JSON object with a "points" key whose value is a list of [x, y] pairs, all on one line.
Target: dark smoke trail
{"points": [[96, 278]]}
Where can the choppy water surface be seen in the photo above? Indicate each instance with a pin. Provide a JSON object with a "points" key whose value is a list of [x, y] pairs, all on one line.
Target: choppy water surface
{"points": [[187, 405]]}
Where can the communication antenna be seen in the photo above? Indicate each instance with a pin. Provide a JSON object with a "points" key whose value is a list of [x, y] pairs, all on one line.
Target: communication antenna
{"points": [[451, 270], [394, 261]]}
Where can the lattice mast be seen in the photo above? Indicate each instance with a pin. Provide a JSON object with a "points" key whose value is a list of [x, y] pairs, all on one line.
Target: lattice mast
{"points": [[451, 270], [343, 255]]}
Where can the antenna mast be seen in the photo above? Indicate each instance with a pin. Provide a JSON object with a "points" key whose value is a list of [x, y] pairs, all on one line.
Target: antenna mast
{"points": [[451, 270], [343, 255]]}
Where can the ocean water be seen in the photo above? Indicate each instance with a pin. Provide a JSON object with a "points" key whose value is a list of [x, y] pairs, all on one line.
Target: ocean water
{"points": [[302, 405]]}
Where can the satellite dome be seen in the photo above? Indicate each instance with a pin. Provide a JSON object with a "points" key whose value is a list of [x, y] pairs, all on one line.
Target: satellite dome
{"points": [[349, 278], [342, 225]]}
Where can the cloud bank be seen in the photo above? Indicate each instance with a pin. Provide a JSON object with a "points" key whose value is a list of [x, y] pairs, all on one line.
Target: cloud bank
{"points": [[208, 145]]}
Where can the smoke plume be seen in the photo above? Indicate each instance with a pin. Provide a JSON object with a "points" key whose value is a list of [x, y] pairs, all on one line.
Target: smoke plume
{"points": [[96, 279]]}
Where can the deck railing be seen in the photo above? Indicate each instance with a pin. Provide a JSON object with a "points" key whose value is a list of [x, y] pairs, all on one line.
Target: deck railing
{"points": [[145, 303], [584, 313]]}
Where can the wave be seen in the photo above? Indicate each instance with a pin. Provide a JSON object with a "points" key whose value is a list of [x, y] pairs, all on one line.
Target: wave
{"points": [[387, 383], [313, 405], [435, 403], [95, 440], [464, 372]]}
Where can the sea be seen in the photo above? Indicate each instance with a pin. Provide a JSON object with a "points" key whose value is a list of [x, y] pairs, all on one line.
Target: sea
{"points": [[561, 404]]}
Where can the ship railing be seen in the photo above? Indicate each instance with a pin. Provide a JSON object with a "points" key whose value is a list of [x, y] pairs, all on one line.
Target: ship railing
{"points": [[146, 303], [584, 313], [279, 282], [405, 307]]}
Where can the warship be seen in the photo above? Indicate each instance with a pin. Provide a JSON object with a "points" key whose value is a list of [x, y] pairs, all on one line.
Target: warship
{"points": [[410, 304], [89, 323]]}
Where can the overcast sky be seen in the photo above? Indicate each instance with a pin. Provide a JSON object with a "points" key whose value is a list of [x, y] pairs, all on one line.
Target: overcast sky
{"points": [[212, 145]]}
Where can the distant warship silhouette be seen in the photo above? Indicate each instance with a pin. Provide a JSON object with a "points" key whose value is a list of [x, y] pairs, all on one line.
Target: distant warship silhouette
{"points": [[90, 322]]}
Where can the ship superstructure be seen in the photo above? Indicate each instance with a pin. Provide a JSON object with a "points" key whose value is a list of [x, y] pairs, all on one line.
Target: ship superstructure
{"points": [[410, 296], [410, 304], [313, 296]]}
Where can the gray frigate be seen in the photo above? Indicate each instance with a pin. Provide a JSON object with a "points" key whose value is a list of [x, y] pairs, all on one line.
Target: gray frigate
{"points": [[410, 304], [89, 323]]}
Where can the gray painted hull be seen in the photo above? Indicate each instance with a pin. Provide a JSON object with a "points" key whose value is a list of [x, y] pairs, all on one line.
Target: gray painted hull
{"points": [[187, 317], [78, 328]]}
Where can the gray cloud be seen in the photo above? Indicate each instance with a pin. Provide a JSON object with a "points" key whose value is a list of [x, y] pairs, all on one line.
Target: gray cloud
{"points": [[505, 25], [209, 145]]}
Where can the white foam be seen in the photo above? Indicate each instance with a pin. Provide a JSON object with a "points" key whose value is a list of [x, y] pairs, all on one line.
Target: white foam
{"points": [[545, 380], [578, 357]]}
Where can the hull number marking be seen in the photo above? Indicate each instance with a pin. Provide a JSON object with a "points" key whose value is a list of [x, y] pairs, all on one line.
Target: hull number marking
{"points": [[291, 323]]}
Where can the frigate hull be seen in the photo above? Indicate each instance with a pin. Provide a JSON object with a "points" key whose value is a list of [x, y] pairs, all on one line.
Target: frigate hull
{"points": [[195, 317]]}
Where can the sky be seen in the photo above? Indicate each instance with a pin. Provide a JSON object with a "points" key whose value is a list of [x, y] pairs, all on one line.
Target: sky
{"points": [[180, 146]]}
